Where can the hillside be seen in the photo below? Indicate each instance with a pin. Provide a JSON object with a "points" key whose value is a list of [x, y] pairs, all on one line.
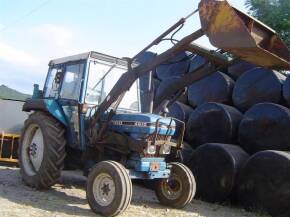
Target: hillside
{"points": [[9, 93]]}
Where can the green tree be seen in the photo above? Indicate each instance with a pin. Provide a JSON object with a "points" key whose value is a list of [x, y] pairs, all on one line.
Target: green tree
{"points": [[274, 13]]}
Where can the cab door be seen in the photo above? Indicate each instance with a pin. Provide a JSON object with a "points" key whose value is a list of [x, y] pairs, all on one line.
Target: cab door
{"points": [[70, 100]]}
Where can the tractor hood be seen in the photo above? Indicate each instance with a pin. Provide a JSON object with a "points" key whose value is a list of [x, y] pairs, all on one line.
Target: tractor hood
{"points": [[142, 124]]}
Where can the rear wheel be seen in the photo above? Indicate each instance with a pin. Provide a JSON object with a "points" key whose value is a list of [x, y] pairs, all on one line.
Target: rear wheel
{"points": [[179, 189], [41, 150], [109, 188]]}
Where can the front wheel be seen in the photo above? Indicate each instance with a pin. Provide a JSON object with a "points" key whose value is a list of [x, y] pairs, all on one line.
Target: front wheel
{"points": [[179, 189], [109, 188]]}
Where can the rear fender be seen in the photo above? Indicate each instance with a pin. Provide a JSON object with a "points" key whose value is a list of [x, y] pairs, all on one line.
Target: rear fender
{"points": [[48, 105]]}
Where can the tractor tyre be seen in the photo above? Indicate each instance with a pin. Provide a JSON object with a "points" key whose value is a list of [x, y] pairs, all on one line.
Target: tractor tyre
{"points": [[179, 189], [109, 188], [41, 150]]}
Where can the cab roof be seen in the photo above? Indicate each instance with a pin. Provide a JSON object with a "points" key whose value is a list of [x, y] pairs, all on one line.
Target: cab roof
{"points": [[89, 55]]}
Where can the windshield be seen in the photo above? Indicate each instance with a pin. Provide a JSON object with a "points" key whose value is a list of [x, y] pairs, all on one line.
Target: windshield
{"points": [[102, 77]]}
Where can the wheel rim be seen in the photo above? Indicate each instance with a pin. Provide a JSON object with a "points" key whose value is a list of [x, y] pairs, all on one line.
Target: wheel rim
{"points": [[172, 187], [104, 189], [32, 149]]}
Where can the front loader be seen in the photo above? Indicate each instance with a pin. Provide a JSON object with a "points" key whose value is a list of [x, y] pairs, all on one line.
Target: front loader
{"points": [[89, 109]]}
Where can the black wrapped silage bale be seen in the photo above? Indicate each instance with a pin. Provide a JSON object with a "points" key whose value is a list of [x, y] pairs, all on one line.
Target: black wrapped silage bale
{"points": [[265, 126], [264, 183], [237, 69], [181, 112], [145, 57], [155, 85], [183, 98], [286, 91], [184, 156], [216, 167], [177, 66], [196, 62], [256, 86], [213, 88], [212, 122], [171, 81], [145, 99], [144, 80]]}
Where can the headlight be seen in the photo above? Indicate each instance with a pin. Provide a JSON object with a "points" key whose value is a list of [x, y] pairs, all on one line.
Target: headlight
{"points": [[165, 149], [151, 149]]}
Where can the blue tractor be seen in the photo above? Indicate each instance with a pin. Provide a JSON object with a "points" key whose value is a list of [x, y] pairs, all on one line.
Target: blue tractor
{"points": [[123, 144], [89, 110]]}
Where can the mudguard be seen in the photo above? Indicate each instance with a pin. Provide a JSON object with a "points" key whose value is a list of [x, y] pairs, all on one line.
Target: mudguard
{"points": [[48, 105]]}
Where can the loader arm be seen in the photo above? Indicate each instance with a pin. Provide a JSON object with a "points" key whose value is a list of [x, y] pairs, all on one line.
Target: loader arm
{"points": [[228, 29], [128, 78]]}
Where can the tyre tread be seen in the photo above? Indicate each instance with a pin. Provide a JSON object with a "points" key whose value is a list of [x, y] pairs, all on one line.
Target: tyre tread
{"points": [[125, 182], [54, 157], [187, 196]]}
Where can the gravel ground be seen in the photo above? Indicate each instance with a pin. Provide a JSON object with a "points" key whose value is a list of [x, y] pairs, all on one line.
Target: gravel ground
{"points": [[67, 198]]}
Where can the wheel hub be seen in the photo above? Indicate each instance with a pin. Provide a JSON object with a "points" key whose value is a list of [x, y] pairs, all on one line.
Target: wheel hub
{"points": [[104, 189], [172, 187], [33, 149]]}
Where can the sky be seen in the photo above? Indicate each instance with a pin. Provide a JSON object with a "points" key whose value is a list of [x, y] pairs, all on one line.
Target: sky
{"points": [[32, 32]]}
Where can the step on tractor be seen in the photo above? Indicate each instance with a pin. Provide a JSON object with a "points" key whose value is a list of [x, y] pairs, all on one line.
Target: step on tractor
{"points": [[88, 113]]}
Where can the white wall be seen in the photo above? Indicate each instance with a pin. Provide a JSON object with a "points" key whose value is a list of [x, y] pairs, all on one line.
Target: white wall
{"points": [[11, 116]]}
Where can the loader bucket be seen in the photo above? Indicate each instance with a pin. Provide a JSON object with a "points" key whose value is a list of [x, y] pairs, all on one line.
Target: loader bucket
{"points": [[242, 35]]}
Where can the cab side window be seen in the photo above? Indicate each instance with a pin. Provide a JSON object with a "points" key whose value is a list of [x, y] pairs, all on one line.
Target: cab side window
{"points": [[71, 85], [52, 87]]}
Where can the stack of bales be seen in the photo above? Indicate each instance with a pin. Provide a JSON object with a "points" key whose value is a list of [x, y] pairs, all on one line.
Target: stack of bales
{"points": [[230, 116], [255, 119], [212, 129]]}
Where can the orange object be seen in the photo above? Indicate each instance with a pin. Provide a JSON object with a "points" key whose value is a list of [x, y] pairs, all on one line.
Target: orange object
{"points": [[8, 148]]}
